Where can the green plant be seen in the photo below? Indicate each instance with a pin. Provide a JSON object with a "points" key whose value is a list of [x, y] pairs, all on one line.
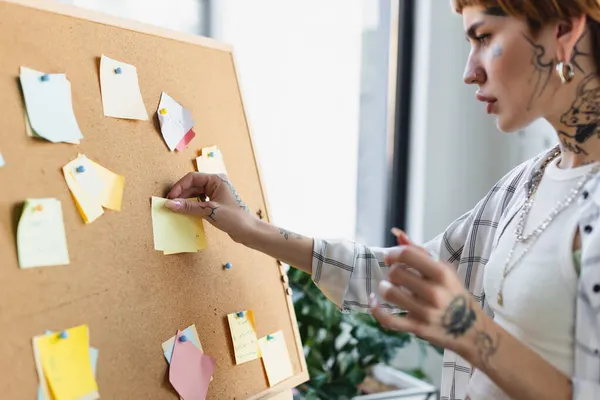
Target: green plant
{"points": [[339, 348]]}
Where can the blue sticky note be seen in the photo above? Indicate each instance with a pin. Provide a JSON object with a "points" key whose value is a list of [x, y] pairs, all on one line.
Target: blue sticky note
{"points": [[93, 360], [190, 335]]}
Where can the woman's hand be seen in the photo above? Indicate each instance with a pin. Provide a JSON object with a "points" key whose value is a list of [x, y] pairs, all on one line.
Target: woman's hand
{"points": [[224, 208], [440, 310]]}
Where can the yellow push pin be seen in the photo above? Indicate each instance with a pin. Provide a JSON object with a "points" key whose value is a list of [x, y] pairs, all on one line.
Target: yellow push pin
{"points": [[39, 207], [163, 111]]}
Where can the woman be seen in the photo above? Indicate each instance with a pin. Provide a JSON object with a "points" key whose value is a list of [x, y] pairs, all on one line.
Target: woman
{"points": [[515, 296]]}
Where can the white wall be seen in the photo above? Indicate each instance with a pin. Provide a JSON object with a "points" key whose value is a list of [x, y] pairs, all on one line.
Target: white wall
{"points": [[299, 67]]}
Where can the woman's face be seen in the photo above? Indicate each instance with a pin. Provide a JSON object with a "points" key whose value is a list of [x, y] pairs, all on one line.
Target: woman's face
{"points": [[514, 70]]}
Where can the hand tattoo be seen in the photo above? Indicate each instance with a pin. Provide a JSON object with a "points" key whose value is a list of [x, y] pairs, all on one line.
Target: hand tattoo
{"points": [[238, 199], [459, 316], [486, 347], [212, 212]]}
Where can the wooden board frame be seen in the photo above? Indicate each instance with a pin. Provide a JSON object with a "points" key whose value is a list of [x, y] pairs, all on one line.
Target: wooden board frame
{"points": [[56, 297]]}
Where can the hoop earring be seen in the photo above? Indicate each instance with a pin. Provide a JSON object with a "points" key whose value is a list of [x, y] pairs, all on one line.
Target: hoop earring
{"points": [[565, 72]]}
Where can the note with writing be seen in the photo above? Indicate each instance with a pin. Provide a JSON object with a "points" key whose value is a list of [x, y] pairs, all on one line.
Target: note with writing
{"points": [[66, 364], [211, 161], [174, 232], [275, 357], [243, 334], [50, 106], [190, 370], [121, 95], [176, 123], [41, 238]]}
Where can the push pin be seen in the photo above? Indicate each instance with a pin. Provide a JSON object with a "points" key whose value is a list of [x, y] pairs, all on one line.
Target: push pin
{"points": [[163, 111], [269, 338], [118, 70], [39, 207], [45, 78], [63, 335], [240, 314], [228, 265], [80, 169], [211, 154], [183, 338]]}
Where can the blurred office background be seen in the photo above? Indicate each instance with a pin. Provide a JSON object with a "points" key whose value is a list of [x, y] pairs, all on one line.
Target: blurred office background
{"points": [[358, 111]]}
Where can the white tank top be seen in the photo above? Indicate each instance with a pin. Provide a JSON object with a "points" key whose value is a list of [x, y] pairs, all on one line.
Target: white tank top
{"points": [[539, 293]]}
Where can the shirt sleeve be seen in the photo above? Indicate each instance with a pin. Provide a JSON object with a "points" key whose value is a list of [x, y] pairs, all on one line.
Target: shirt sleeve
{"points": [[348, 272]]}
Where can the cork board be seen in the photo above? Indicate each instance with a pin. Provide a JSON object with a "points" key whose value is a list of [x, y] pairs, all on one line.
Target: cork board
{"points": [[131, 296]]}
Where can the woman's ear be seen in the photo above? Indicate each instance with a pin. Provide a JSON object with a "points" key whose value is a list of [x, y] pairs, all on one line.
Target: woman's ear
{"points": [[568, 33]]}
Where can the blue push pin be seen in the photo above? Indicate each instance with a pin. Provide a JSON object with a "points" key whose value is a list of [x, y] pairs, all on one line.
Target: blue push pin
{"points": [[118, 70], [240, 314], [45, 78], [183, 338], [80, 169], [228, 265], [211, 154], [63, 335], [269, 337]]}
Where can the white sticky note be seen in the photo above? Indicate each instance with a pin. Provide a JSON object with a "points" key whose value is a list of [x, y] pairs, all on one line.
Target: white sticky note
{"points": [[121, 96], [175, 121], [2, 162], [50, 106], [211, 161], [41, 238]]}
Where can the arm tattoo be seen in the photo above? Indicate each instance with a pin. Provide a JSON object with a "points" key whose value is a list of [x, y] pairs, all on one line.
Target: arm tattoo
{"points": [[286, 234], [542, 70], [458, 317], [486, 346], [238, 199]]}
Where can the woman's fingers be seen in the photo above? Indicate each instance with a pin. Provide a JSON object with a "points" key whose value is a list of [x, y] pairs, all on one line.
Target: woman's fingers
{"points": [[195, 180], [394, 295], [416, 258], [406, 323]]}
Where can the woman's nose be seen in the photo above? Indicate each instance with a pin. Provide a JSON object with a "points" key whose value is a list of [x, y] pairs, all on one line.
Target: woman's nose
{"points": [[474, 75]]}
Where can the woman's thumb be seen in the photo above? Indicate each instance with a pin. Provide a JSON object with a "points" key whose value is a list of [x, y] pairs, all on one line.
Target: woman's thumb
{"points": [[191, 207]]}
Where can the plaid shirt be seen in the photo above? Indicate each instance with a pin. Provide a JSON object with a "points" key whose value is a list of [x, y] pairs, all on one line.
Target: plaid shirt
{"points": [[347, 272]]}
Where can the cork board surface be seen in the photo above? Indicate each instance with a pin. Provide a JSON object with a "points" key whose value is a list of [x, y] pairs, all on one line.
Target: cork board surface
{"points": [[131, 296]]}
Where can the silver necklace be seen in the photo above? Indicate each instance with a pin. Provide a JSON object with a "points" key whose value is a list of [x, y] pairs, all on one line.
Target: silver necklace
{"points": [[532, 237]]}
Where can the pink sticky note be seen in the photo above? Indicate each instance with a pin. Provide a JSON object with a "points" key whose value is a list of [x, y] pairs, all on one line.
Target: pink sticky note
{"points": [[183, 143], [190, 370]]}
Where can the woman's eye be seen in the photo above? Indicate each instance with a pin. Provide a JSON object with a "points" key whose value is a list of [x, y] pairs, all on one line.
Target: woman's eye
{"points": [[483, 39]]}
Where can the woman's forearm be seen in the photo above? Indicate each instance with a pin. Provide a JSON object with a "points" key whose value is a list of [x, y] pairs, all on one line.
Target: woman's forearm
{"points": [[288, 247], [513, 366]]}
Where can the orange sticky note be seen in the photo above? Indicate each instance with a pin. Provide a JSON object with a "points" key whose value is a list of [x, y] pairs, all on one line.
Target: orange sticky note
{"points": [[276, 358], [190, 369], [243, 334]]}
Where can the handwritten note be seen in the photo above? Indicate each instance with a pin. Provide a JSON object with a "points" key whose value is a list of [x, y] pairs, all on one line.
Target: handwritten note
{"points": [[93, 187], [276, 358], [190, 370], [243, 334], [121, 96], [50, 106], [66, 364], [41, 238], [211, 161], [176, 123], [174, 232]]}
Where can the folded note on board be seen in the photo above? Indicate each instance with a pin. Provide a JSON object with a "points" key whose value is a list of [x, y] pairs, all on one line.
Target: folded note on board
{"points": [[243, 334], [176, 233], [190, 332], [190, 370], [276, 358], [121, 96], [49, 106], [43, 392], [41, 238], [66, 366], [93, 187], [175, 123], [211, 161]]}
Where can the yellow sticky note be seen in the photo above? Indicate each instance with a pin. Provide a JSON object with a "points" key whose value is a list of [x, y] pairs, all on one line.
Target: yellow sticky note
{"points": [[211, 161], [66, 364], [243, 334], [121, 96], [41, 238], [276, 358], [176, 233], [93, 186]]}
